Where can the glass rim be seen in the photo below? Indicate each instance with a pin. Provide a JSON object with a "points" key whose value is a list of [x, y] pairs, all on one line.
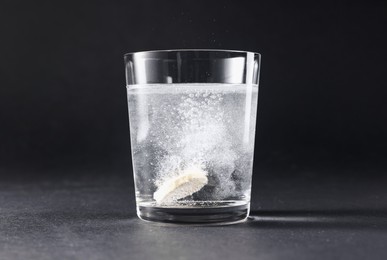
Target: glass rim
{"points": [[191, 50]]}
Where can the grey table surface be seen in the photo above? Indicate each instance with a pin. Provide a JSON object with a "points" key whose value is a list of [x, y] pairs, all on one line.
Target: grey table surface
{"points": [[294, 216]]}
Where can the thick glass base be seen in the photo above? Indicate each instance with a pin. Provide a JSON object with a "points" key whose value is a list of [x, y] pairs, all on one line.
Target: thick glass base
{"points": [[198, 213]]}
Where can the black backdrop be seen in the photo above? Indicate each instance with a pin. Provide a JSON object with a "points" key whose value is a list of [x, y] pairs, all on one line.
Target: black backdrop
{"points": [[63, 104]]}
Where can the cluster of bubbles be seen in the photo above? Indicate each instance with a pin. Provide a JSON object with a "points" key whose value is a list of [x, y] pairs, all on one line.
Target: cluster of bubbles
{"points": [[191, 130]]}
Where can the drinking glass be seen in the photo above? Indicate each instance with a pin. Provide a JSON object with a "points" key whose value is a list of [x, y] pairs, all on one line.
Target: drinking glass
{"points": [[192, 116]]}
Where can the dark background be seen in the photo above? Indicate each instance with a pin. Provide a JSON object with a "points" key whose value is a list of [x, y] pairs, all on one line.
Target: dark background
{"points": [[320, 176], [63, 101]]}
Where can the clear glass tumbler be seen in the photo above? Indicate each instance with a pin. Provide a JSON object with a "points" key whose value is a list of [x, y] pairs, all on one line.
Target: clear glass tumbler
{"points": [[192, 117]]}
